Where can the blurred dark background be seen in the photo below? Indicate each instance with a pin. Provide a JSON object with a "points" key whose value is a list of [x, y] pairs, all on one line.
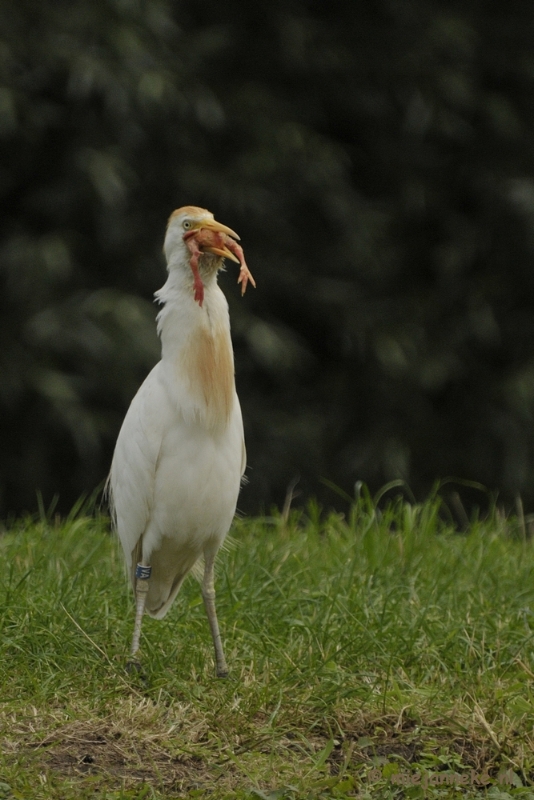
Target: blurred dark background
{"points": [[376, 158]]}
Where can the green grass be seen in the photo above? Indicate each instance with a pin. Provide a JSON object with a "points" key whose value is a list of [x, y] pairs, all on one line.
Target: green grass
{"points": [[365, 653]]}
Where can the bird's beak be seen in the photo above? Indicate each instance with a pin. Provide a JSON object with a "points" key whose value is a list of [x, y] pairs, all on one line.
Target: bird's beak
{"points": [[221, 251], [213, 225]]}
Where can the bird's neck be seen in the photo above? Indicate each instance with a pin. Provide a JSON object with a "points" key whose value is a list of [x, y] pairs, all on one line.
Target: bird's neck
{"points": [[196, 351]]}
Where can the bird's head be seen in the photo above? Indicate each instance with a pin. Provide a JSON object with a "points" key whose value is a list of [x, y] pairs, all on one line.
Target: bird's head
{"points": [[183, 224], [193, 232]]}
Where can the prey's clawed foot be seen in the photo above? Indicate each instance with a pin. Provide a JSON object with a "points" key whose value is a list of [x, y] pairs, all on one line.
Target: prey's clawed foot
{"points": [[211, 237]]}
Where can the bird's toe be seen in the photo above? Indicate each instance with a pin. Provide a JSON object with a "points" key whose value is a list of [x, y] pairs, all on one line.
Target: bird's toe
{"points": [[133, 667]]}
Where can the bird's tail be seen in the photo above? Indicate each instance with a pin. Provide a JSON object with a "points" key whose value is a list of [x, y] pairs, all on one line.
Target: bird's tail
{"points": [[160, 596], [168, 574]]}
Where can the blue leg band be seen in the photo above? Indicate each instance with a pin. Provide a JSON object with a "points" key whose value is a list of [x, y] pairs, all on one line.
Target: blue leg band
{"points": [[142, 572]]}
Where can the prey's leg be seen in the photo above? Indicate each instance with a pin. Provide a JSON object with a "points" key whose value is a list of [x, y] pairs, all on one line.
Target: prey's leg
{"points": [[142, 576], [208, 594]]}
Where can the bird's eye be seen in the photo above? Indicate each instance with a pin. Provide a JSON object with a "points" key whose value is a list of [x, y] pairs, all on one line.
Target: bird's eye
{"points": [[187, 225]]}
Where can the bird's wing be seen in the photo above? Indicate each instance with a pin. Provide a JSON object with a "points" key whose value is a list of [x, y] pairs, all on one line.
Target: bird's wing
{"points": [[135, 461], [239, 417], [243, 458]]}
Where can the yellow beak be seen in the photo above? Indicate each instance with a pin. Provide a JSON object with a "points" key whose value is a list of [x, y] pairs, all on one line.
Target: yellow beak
{"points": [[220, 251], [213, 225]]}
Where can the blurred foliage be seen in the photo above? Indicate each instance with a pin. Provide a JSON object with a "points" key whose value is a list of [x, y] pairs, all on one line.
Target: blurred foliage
{"points": [[376, 159]]}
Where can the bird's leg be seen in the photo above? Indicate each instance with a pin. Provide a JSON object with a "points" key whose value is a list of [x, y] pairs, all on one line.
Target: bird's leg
{"points": [[142, 576], [208, 595]]}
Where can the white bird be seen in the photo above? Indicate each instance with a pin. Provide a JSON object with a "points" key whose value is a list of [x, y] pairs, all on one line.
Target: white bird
{"points": [[180, 455]]}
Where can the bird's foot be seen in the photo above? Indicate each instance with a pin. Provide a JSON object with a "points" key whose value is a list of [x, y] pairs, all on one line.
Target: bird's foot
{"points": [[134, 666]]}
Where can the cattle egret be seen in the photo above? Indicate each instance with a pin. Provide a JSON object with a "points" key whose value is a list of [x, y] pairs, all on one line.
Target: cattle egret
{"points": [[180, 455]]}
